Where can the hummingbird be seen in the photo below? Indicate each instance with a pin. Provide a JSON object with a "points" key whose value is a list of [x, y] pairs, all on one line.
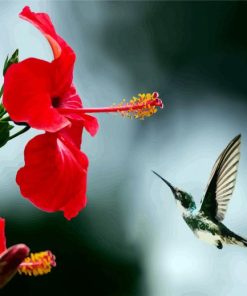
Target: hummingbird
{"points": [[206, 223]]}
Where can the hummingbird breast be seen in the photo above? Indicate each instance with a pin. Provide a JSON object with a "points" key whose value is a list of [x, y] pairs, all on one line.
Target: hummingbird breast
{"points": [[204, 229], [208, 237]]}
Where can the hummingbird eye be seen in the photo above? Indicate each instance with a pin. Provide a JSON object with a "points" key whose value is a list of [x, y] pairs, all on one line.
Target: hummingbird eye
{"points": [[178, 193]]}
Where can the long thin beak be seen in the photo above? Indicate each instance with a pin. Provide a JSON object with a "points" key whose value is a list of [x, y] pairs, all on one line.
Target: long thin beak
{"points": [[167, 183]]}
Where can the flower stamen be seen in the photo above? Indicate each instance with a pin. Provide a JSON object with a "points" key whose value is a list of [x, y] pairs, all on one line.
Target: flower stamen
{"points": [[37, 264], [145, 105]]}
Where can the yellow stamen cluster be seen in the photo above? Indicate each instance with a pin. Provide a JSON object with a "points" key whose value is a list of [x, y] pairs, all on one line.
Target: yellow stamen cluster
{"points": [[144, 105], [37, 264]]}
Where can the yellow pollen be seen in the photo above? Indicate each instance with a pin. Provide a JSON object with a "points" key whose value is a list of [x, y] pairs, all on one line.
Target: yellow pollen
{"points": [[144, 105], [37, 264]]}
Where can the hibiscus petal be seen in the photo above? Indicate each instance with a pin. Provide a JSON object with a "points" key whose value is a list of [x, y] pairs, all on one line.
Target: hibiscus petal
{"points": [[71, 99], [10, 260], [26, 97], [2, 235], [89, 122], [74, 206], [55, 175], [70, 106], [73, 133], [63, 74], [43, 23], [63, 53]]}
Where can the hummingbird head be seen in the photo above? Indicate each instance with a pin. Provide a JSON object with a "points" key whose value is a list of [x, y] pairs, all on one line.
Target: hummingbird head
{"points": [[184, 199]]}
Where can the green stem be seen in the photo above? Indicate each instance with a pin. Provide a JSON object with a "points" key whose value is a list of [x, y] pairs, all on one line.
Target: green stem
{"points": [[26, 128]]}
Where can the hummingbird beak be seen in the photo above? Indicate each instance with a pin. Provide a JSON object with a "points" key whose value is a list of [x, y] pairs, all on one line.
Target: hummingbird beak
{"points": [[167, 183]]}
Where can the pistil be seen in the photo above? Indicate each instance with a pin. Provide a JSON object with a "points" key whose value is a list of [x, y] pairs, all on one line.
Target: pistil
{"points": [[37, 264], [144, 105]]}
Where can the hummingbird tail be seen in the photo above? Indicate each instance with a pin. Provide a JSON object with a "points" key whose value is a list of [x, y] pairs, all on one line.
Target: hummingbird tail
{"points": [[240, 241], [244, 241]]}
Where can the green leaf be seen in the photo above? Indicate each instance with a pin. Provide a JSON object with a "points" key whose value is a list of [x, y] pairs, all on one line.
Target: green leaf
{"points": [[12, 60], [5, 64], [2, 110], [5, 127]]}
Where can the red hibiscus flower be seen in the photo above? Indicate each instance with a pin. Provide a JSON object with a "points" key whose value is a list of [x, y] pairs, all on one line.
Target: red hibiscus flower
{"points": [[54, 177], [41, 94], [16, 259]]}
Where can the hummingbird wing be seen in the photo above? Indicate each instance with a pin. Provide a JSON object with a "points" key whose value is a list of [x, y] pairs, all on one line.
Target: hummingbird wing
{"points": [[222, 181]]}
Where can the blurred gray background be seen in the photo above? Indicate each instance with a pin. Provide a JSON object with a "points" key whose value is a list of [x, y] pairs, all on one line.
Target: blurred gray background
{"points": [[131, 239]]}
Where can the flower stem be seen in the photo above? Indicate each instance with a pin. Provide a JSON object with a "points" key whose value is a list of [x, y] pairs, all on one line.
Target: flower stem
{"points": [[26, 128]]}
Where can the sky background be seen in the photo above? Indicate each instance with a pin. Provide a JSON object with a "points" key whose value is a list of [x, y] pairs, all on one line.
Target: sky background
{"points": [[131, 239]]}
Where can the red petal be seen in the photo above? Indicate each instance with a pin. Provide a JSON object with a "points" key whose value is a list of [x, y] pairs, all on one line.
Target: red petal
{"points": [[71, 107], [55, 175], [70, 99], [63, 74], [73, 207], [27, 95], [10, 261], [2, 235], [63, 53], [43, 23], [89, 122], [73, 133]]}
